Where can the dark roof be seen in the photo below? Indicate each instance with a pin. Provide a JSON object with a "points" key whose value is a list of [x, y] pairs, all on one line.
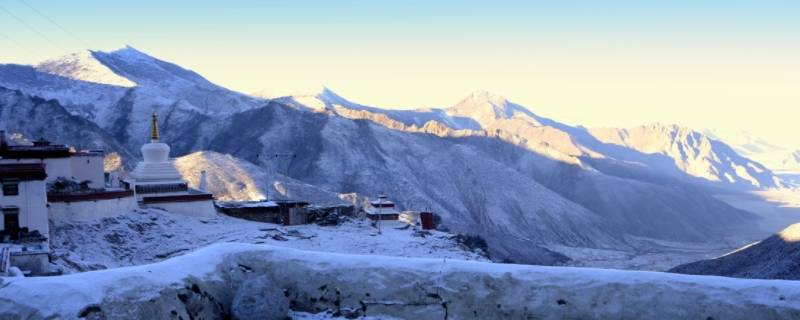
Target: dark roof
{"points": [[91, 196], [381, 204], [178, 198], [23, 171], [40, 149]]}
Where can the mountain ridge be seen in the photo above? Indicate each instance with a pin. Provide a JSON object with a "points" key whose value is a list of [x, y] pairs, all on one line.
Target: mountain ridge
{"points": [[518, 180]]}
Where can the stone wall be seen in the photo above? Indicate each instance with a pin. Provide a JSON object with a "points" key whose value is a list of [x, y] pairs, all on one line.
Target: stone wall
{"points": [[203, 284]]}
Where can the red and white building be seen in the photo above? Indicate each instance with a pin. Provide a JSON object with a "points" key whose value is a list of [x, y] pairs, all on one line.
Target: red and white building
{"points": [[43, 182]]}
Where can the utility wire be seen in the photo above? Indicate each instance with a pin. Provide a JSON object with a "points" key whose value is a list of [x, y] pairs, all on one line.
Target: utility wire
{"points": [[86, 44], [30, 27], [17, 43]]}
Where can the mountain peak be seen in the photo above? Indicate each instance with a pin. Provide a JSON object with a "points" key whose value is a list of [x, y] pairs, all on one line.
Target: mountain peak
{"points": [[486, 108], [671, 127], [131, 52], [130, 55], [486, 96], [147, 70], [329, 96], [83, 65]]}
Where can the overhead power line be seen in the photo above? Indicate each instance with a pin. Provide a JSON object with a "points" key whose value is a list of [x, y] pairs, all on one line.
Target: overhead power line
{"points": [[41, 14], [17, 43], [32, 29]]}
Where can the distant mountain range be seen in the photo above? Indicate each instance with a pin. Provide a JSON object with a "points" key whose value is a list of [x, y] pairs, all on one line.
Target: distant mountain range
{"points": [[779, 158], [678, 151], [489, 166]]}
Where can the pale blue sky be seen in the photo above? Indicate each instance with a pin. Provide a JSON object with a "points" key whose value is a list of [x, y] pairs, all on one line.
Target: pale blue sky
{"points": [[719, 64]]}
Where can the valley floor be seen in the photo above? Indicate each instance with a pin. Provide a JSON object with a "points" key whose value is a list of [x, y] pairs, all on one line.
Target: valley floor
{"points": [[776, 209], [660, 256]]}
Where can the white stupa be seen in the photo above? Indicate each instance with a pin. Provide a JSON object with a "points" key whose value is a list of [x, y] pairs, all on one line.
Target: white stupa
{"points": [[157, 173], [159, 184]]}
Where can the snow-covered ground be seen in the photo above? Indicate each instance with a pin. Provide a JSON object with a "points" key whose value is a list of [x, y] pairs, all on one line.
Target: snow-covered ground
{"points": [[146, 236], [202, 284]]}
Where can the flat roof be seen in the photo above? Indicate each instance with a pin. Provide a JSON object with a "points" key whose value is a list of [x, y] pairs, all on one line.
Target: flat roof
{"points": [[178, 198], [35, 151]]}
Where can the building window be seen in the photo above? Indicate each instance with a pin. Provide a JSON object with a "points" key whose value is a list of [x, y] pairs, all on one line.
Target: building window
{"points": [[11, 226], [10, 188]]}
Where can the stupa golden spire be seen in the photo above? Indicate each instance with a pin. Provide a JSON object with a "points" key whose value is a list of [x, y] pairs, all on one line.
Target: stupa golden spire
{"points": [[154, 128]]}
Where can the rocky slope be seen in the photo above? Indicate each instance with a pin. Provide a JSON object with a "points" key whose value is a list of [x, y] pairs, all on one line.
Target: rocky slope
{"points": [[777, 257], [34, 117], [233, 179]]}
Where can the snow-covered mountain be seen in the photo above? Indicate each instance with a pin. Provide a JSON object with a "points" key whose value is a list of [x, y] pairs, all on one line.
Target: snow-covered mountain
{"points": [[791, 162], [487, 109], [753, 147], [29, 118], [693, 153], [776, 257], [680, 152], [90, 100], [744, 142], [85, 67], [488, 166], [118, 90]]}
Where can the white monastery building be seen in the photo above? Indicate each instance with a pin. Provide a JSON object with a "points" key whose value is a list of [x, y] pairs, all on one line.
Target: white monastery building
{"points": [[60, 161], [43, 182], [24, 227], [382, 209]]}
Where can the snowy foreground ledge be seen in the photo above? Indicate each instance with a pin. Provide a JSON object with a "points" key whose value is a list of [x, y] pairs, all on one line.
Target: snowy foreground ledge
{"points": [[203, 284]]}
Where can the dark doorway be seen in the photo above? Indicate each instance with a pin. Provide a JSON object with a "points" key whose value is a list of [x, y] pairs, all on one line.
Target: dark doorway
{"points": [[11, 223]]}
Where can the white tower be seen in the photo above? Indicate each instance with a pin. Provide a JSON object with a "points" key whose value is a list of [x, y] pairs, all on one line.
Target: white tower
{"points": [[157, 173]]}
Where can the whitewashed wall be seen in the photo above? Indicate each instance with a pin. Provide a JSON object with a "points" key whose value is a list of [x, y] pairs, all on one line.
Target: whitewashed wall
{"points": [[32, 204], [88, 168], [203, 208], [77, 167], [93, 209]]}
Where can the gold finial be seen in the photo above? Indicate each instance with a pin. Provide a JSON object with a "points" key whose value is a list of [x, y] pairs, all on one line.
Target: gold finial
{"points": [[154, 128]]}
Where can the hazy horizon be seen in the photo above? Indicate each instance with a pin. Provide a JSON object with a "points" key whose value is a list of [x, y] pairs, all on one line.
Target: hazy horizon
{"points": [[712, 65]]}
